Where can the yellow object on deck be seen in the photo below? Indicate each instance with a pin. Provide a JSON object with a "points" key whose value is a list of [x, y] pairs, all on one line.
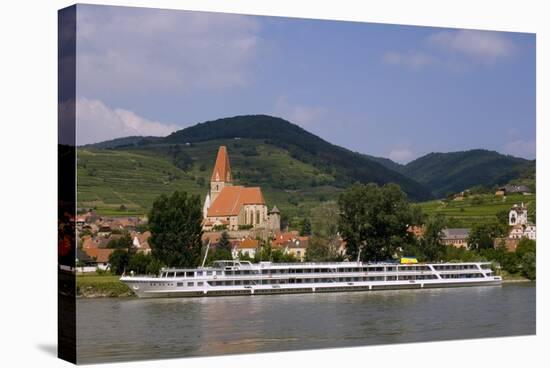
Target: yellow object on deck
{"points": [[408, 260]]}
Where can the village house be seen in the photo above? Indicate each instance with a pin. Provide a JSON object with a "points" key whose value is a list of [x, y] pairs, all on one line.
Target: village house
{"points": [[89, 242], [291, 243], [511, 189], [528, 231], [417, 231], [235, 207], [521, 227], [282, 238], [99, 257], [517, 215], [298, 247], [104, 231], [457, 237], [246, 246], [141, 242], [84, 263]]}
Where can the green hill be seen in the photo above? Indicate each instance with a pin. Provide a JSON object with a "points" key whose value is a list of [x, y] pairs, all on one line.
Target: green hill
{"points": [[295, 169], [445, 173], [476, 209], [134, 177], [345, 166]]}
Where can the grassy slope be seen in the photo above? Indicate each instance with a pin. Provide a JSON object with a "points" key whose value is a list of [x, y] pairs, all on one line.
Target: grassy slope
{"points": [[93, 285], [108, 179], [468, 214]]}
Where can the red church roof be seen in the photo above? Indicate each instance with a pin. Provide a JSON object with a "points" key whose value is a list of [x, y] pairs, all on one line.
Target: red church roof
{"points": [[222, 169], [231, 199]]}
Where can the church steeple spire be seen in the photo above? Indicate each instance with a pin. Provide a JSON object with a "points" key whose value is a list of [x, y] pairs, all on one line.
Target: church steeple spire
{"points": [[221, 175], [222, 169]]}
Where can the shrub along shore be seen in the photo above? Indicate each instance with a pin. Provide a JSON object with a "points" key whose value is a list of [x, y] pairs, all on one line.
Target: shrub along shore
{"points": [[98, 286]]}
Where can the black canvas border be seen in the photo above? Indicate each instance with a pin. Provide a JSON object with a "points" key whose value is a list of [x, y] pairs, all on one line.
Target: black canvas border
{"points": [[66, 185]]}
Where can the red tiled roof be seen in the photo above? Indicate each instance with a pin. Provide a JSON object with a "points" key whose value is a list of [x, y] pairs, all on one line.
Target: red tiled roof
{"points": [[144, 237], [283, 238], [88, 242], [222, 170], [249, 244], [101, 255], [212, 237], [231, 199]]}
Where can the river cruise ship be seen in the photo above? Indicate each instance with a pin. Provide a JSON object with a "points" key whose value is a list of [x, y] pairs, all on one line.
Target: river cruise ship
{"points": [[245, 278]]}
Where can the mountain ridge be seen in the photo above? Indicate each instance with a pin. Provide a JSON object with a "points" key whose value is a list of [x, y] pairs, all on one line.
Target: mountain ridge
{"points": [[435, 174]]}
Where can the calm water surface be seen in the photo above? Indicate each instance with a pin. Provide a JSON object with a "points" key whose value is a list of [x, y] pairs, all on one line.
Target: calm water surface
{"points": [[127, 329]]}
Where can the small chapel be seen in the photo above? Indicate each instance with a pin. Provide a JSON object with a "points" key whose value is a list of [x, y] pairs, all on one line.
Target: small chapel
{"points": [[235, 207]]}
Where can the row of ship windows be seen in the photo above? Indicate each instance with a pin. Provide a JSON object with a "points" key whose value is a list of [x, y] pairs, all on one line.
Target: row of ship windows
{"points": [[455, 267], [320, 280], [304, 271], [462, 276]]}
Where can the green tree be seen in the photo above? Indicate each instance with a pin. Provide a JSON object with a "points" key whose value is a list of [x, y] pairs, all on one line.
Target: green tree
{"points": [[526, 245], [418, 216], [123, 242], [482, 236], [119, 260], [374, 220], [322, 250], [502, 218], [223, 249], [154, 266], [431, 243], [324, 220], [139, 263], [279, 256], [528, 264], [263, 253], [176, 231], [306, 227], [526, 253], [324, 243], [224, 242]]}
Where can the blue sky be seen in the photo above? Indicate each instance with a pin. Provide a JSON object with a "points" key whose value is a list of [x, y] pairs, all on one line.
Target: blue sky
{"points": [[386, 90]]}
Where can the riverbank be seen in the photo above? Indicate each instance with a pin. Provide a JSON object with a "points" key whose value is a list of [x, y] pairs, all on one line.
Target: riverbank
{"points": [[508, 278], [109, 286], [101, 286]]}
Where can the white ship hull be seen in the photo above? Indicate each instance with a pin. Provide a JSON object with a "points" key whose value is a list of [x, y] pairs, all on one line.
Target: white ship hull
{"points": [[268, 278]]}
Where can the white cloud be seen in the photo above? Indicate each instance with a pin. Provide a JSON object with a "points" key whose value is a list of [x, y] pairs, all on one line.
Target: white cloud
{"points": [[297, 113], [410, 59], [522, 148], [450, 49], [132, 50], [401, 155], [482, 46], [97, 122]]}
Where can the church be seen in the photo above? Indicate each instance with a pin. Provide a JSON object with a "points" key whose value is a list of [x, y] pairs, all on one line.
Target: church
{"points": [[235, 207]]}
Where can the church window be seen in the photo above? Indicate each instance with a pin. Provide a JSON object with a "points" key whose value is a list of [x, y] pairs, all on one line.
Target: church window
{"points": [[258, 217]]}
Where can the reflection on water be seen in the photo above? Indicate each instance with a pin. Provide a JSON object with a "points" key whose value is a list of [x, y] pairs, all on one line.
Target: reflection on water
{"points": [[127, 329]]}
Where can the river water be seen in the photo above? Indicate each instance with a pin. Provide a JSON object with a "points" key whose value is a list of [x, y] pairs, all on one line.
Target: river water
{"points": [[130, 329]]}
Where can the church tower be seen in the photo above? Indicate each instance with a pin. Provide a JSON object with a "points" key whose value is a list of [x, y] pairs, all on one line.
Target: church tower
{"points": [[221, 176]]}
